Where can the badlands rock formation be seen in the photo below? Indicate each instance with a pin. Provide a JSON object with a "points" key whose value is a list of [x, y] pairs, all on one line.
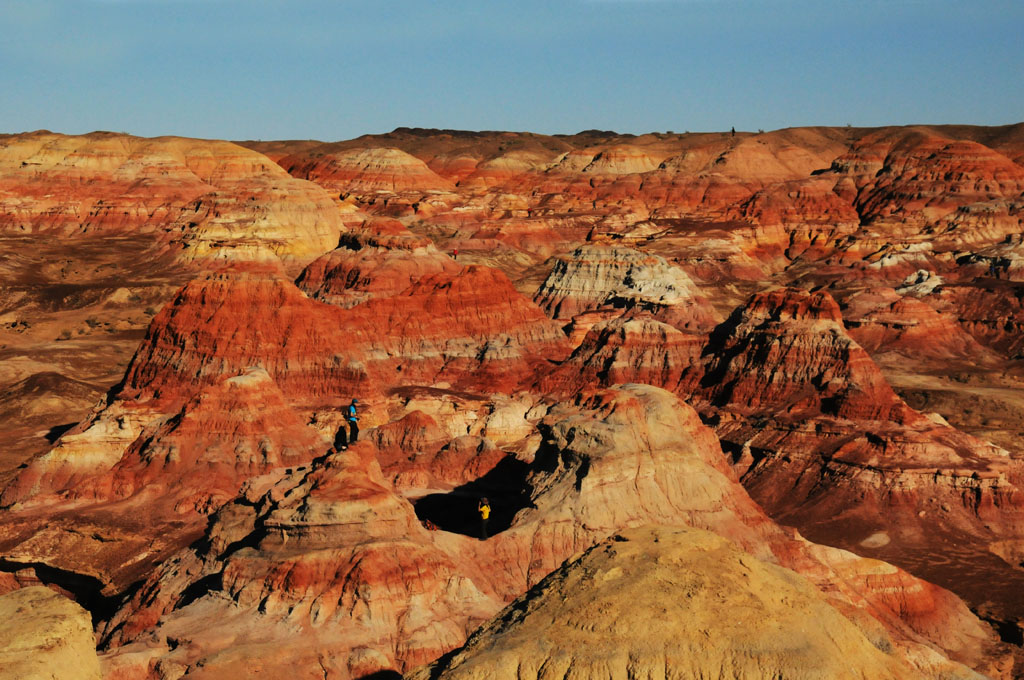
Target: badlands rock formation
{"points": [[332, 566], [203, 197], [99, 230], [599, 332], [595, 278], [649, 602]]}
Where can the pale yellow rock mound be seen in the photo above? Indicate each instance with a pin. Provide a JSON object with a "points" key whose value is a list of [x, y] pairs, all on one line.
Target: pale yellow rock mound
{"points": [[659, 602], [45, 636]]}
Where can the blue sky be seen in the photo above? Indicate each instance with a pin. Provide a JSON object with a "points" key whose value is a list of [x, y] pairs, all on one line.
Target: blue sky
{"points": [[286, 69]]}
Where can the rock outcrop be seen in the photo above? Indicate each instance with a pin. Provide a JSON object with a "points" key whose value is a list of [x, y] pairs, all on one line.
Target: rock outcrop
{"points": [[882, 320], [627, 350], [332, 557], [329, 567], [177, 440], [655, 602], [820, 438], [101, 230], [366, 171], [463, 326], [595, 277], [382, 262], [51, 638], [212, 199], [806, 449], [911, 178], [787, 351]]}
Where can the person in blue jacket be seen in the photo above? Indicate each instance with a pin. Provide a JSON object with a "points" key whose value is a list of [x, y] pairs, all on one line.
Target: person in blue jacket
{"points": [[353, 421]]}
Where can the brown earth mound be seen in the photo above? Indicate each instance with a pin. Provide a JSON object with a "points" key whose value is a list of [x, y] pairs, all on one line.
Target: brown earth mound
{"points": [[661, 602]]}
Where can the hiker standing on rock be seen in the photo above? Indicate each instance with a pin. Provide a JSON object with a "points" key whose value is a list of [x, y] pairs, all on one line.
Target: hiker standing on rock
{"points": [[353, 421], [484, 508]]}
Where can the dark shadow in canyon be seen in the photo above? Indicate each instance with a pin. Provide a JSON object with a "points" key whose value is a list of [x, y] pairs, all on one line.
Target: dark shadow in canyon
{"points": [[506, 488], [57, 431], [82, 588]]}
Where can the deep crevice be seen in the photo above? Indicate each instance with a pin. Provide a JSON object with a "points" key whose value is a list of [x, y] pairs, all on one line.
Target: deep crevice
{"points": [[56, 432], [506, 488], [1009, 632], [207, 584], [84, 589]]}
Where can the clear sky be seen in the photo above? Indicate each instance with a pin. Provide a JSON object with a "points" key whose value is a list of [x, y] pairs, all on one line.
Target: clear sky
{"points": [[286, 69]]}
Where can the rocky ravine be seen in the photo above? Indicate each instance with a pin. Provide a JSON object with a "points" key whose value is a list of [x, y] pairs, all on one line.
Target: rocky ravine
{"points": [[599, 332]]}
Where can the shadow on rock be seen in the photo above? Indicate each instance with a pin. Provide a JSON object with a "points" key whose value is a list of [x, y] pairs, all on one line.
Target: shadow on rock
{"points": [[456, 511]]}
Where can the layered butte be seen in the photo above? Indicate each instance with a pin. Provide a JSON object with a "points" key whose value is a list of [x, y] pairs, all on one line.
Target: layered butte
{"points": [[99, 230]]}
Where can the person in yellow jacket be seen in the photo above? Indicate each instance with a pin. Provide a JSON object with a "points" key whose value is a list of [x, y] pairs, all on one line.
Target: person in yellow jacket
{"points": [[484, 508]]}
